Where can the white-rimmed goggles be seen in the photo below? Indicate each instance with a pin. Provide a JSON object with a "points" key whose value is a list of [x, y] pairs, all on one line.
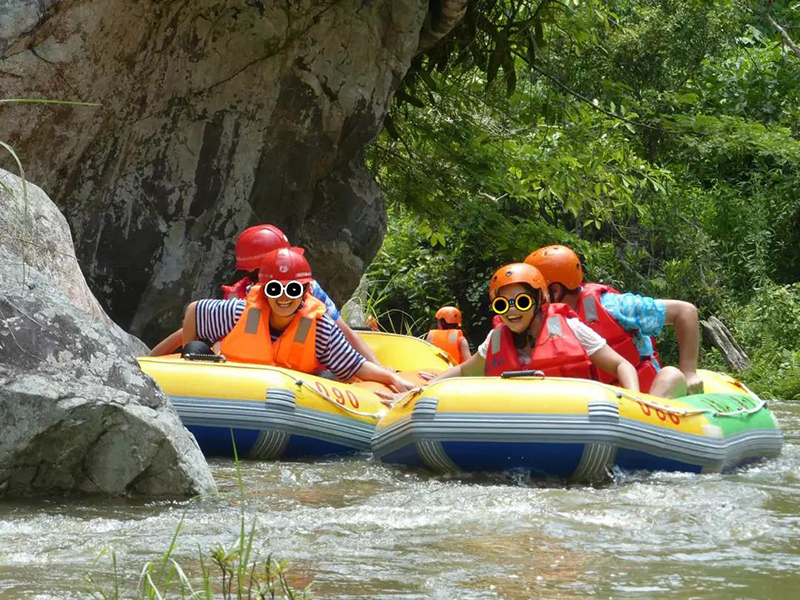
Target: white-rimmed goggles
{"points": [[276, 289]]}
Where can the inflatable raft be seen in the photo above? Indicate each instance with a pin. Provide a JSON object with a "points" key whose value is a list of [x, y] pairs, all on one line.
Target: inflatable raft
{"points": [[575, 429], [278, 413]]}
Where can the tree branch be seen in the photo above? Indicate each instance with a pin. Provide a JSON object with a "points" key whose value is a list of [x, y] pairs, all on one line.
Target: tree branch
{"points": [[786, 39]]}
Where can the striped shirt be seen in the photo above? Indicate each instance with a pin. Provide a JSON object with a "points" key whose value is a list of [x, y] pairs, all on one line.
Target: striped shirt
{"points": [[216, 318]]}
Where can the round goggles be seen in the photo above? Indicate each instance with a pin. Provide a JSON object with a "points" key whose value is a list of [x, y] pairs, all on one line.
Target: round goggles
{"points": [[522, 302], [275, 289]]}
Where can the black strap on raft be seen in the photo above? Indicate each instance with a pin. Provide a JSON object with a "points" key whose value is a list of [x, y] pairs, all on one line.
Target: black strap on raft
{"points": [[515, 374], [198, 350]]}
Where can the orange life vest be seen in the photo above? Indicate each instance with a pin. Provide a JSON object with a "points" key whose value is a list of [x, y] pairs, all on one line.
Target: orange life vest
{"points": [[592, 312], [448, 340], [250, 341], [557, 351]]}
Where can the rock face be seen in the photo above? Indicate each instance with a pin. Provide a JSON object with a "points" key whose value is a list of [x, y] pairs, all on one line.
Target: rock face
{"points": [[214, 115], [77, 415]]}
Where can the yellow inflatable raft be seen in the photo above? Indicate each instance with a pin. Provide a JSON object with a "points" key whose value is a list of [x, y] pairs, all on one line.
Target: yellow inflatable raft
{"points": [[574, 429], [278, 413]]}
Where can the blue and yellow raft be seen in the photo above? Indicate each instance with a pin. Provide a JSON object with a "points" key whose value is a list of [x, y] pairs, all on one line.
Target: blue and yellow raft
{"points": [[278, 413], [575, 429]]}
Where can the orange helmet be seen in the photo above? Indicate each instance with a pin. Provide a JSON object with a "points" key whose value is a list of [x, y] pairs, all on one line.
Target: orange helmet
{"points": [[519, 273], [254, 243], [284, 265], [450, 314], [558, 264]]}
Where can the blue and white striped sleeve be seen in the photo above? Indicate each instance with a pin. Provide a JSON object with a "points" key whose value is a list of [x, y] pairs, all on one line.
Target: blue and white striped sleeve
{"points": [[215, 319], [335, 352]]}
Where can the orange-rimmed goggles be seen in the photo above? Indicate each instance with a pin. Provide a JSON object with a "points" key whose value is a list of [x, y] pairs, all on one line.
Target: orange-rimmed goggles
{"points": [[522, 302]]}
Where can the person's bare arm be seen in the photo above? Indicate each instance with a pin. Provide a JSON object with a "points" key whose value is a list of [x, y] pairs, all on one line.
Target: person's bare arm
{"points": [[473, 365], [189, 331], [683, 315], [169, 344], [465, 353], [608, 360], [356, 342], [369, 371]]}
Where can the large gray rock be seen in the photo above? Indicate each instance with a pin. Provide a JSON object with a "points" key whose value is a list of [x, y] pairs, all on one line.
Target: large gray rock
{"points": [[76, 412], [215, 114]]}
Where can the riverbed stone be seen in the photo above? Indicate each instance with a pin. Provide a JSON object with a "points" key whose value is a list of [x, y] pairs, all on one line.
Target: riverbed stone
{"points": [[77, 414]]}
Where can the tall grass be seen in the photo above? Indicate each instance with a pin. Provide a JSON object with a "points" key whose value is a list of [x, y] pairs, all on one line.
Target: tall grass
{"points": [[393, 320], [26, 236], [234, 572]]}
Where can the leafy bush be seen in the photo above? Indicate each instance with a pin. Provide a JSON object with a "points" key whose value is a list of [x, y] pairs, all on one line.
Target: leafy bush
{"points": [[658, 138]]}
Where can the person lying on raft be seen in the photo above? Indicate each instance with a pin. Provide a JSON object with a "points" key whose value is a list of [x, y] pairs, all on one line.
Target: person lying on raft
{"points": [[627, 321], [281, 323], [252, 245], [448, 336], [538, 336]]}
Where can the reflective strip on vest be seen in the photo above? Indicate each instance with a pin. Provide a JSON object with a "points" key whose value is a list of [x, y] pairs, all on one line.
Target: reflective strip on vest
{"points": [[554, 327], [453, 337], [494, 342], [302, 330], [590, 309], [253, 318]]}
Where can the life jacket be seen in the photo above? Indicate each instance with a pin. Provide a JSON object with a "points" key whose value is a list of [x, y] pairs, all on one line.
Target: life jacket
{"points": [[497, 321], [250, 341], [448, 340], [557, 351], [236, 291], [592, 312]]}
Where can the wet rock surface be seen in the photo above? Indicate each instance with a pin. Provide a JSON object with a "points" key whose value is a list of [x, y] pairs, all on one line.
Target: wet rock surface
{"points": [[213, 115], [77, 415]]}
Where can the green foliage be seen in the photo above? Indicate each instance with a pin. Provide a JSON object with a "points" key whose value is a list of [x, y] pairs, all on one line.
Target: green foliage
{"points": [[770, 324], [656, 137]]}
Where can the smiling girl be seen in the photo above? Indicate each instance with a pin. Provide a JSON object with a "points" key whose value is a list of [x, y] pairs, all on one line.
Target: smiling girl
{"points": [[538, 336], [281, 323]]}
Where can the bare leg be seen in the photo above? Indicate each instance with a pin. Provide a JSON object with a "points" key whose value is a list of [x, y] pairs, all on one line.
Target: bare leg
{"points": [[669, 383]]}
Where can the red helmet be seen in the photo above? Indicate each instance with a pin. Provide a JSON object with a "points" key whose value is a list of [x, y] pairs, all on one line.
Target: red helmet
{"points": [[254, 243], [450, 314], [285, 264]]}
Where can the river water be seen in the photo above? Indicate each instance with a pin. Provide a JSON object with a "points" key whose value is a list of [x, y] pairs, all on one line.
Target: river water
{"points": [[357, 529]]}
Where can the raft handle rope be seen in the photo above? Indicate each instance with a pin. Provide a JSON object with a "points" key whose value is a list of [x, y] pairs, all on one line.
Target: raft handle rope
{"points": [[300, 383], [352, 411], [683, 412], [690, 412]]}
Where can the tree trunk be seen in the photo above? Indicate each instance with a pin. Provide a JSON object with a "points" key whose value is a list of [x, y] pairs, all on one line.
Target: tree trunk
{"points": [[721, 337]]}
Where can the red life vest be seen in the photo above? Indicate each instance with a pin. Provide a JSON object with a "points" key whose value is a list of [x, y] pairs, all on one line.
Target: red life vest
{"points": [[236, 291], [592, 312], [448, 340], [249, 341], [557, 351]]}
